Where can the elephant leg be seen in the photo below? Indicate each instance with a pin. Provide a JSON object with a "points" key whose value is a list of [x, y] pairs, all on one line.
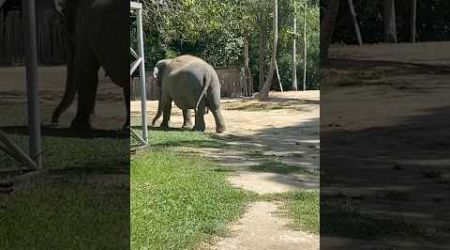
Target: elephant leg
{"points": [[200, 117], [214, 106], [126, 93], [69, 95], [86, 69], [166, 103], [70, 89], [187, 117]]}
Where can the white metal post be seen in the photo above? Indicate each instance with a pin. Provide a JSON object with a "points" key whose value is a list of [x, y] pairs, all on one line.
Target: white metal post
{"points": [[142, 75], [140, 60]]}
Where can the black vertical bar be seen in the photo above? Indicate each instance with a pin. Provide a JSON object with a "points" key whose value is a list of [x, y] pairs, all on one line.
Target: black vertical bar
{"points": [[34, 121]]}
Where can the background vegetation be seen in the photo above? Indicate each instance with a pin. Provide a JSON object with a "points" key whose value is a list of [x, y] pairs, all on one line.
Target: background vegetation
{"points": [[216, 31], [432, 21]]}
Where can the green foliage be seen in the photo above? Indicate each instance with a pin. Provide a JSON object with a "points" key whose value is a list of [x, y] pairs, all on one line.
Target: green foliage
{"points": [[215, 31], [432, 21]]}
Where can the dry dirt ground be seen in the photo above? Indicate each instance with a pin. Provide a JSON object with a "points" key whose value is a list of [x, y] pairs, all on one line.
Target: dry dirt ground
{"points": [[385, 145], [284, 130], [109, 112]]}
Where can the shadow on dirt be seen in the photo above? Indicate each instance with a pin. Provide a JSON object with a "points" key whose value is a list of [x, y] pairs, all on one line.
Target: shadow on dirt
{"points": [[386, 183]]}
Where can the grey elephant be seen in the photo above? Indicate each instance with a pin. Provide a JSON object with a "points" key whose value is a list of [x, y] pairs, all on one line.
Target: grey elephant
{"points": [[98, 35], [192, 84]]}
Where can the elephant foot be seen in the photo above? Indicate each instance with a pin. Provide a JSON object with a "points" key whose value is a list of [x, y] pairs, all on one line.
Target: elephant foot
{"points": [[187, 126], [54, 120], [126, 127], [164, 125], [220, 129], [198, 128], [80, 125]]}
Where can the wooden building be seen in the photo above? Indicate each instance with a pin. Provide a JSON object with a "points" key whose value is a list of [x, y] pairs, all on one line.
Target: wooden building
{"points": [[231, 80]]}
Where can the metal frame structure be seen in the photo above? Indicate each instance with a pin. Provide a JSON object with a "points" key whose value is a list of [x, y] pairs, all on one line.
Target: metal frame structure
{"points": [[34, 159], [136, 9]]}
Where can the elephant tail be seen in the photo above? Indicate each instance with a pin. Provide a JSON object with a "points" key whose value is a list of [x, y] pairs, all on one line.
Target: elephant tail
{"points": [[206, 83], [159, 113]]}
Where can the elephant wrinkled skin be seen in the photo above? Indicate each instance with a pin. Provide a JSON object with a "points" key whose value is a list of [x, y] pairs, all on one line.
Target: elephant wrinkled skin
{"points": [[97, 35], [190, 83]]}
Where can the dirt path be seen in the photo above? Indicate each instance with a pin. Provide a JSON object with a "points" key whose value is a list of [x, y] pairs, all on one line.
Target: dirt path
{"points": [[283, 132], [261, 228], [109, 108], [385, 142]]}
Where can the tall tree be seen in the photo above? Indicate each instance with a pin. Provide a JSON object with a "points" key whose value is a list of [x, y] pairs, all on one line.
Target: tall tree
{"points": [[355, 21], [305, 45], [413, 20], [261, 50], [327, 28], [390, 26], [294, 55], [264, 93], [248, 78]]}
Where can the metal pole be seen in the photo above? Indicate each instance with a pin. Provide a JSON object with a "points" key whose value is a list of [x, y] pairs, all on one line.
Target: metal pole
{"points": [[34, 121], [142, 76]]}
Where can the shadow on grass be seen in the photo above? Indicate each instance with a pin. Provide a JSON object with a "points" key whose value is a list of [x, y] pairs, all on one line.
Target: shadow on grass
{"points": [[69, 133], [271, 166]]}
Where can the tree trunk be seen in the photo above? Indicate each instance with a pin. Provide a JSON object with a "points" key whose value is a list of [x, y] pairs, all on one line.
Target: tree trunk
{"points": [[413, 20], [327, 26], [248, 79], [278, 76], [261, 53], [355, 22], [294, 57], [263, 95], [390, 29], [305, 46]]}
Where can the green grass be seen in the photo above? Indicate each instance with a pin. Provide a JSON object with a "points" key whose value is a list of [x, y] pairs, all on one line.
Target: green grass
{"points": [[183, 138], [272, 166], [68, 216], [302, 207], [64, 153], [177, 201]]}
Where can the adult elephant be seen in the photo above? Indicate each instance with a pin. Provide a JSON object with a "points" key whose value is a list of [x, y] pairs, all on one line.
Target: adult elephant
{"points": [[98, 35], [190, 83]]}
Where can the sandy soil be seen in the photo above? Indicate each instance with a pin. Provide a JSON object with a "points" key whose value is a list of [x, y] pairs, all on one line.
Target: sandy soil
{"points": [[287, 131], [429, 53], [260, 228], [282, 130], [109, 112], [384, 140]]}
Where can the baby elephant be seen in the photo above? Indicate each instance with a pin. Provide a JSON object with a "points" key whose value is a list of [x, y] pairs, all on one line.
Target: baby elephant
{"points": [[191, 83]]}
